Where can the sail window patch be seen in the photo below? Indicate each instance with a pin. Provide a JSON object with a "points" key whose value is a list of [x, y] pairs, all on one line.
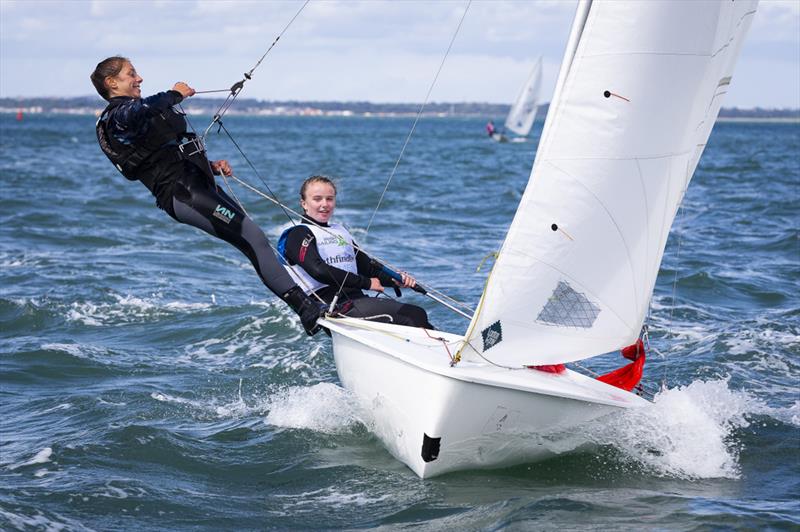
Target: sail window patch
{"points": [[567, 307], [492, 335]]}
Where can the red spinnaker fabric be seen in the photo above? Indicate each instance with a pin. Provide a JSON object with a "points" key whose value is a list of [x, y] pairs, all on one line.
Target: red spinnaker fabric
{"points": [[549, 368], [627, 377]]}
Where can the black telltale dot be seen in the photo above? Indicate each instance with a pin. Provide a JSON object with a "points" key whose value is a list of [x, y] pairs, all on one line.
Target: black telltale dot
{"points": [[554, 227], [607, 94]]}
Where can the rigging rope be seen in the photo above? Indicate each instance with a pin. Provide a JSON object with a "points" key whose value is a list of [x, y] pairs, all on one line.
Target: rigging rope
{"points": [[440, 296], [237, 87], [405, 144], [199, 144], [674, 289], [419, 113]]}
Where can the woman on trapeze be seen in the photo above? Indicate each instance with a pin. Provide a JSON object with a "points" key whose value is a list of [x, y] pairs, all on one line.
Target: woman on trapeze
{"points": [[324, 260], [147, 141]]}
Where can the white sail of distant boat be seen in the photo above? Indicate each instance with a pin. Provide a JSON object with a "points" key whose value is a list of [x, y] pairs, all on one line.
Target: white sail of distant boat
{"points": [[523, 111], [638, 92]]}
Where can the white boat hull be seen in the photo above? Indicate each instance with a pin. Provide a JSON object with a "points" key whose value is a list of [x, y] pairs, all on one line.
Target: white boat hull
{"points": [[436, 418]]}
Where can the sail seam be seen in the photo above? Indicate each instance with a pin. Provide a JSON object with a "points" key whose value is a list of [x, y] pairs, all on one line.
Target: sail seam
{"points": [[643, 158], [733, 33], [653, 52], [616, 225], [646, 221]]}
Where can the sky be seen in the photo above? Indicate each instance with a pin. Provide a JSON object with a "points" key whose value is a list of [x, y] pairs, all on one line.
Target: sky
{"points": [[340, 50]]}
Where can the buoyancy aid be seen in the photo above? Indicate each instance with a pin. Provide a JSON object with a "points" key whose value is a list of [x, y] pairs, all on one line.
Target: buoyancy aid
{"points": [[165, 128], [335, 246]]}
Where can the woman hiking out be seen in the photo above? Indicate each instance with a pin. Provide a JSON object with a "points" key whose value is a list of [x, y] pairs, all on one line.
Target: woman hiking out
{"points": [[147, 141]]}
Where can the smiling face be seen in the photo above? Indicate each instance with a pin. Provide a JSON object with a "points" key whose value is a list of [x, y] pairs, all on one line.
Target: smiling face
{"points": [[126, 83], [319, 201]]}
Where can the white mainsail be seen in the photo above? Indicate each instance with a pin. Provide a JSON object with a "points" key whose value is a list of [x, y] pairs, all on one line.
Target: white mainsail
{"points": [[523, 112], [638, 93]]}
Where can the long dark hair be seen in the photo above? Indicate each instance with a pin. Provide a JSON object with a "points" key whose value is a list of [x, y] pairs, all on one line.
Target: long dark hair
{"points": [[108, 67]]}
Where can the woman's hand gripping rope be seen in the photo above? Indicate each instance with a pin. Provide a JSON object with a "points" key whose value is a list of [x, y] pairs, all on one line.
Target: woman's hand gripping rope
{"points": [[221, 167]]}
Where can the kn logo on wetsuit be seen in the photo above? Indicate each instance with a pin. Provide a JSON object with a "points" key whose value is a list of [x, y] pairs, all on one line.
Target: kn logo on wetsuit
{"points": [[223, 214]]}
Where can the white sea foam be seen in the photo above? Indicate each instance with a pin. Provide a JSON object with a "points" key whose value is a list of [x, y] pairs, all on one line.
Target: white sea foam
{"points": [[331, 497], [253, 340], [27, 258], [214, 408], [763, 340], [41, 457], [86, 351], [40, 521], [11, 263], [793, 414], [688, 432], [128, 309], [323, 407], [62, 406]]}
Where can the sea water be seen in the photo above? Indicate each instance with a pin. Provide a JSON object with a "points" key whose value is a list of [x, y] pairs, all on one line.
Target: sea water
{"points": [[149, 381]]}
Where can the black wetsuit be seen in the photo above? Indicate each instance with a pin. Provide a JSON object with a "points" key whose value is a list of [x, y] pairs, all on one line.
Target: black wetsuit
{"points": [[141, 136], [299, 248]]}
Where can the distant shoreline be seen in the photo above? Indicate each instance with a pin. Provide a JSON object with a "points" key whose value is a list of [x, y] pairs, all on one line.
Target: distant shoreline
{"points": [[93, 105], [96, 113], [770, 120]]}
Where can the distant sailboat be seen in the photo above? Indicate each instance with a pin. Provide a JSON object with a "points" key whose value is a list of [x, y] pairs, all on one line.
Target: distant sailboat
{"points": [[639, 89], [523, 112]]}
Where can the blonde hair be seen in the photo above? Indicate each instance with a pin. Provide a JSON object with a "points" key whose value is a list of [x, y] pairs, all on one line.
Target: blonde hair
{"points": [[315, 179]]}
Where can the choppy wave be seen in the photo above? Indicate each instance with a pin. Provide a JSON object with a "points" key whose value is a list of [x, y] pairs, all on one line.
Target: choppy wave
{"points": [[129, 308], [149, 380]]}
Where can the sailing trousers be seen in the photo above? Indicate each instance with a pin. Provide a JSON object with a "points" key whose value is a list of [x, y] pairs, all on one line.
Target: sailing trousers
{"points": [[388, 311], [356, 304], [199, 202]]}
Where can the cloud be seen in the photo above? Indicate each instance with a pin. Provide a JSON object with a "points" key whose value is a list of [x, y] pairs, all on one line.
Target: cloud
{"points": [[351, 50]]}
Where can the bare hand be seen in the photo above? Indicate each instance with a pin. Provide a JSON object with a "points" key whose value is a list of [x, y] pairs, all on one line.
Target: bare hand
{"points": [[375, 284], [221, 167], [408, 281], [184, 89]]}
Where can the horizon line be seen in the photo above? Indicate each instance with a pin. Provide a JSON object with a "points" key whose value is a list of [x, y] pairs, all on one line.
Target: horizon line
{"points": [[211, 99]]}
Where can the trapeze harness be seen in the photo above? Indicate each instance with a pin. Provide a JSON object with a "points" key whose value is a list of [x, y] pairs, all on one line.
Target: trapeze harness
{"points": [[328, 252], [173, 165]]}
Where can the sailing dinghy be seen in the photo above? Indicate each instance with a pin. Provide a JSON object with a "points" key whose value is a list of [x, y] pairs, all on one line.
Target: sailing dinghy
{"points": [[638, 92], [523, 112]]}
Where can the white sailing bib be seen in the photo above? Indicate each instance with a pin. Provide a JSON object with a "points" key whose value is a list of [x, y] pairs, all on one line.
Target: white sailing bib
{"points": [[335, 246]]}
